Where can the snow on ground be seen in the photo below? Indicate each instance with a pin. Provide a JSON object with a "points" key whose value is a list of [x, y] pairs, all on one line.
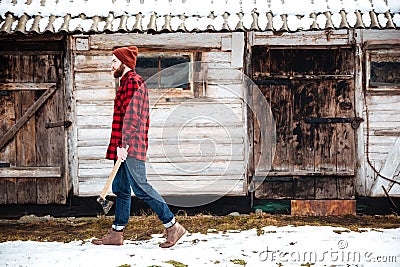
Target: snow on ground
{"points": [[274, 246]]}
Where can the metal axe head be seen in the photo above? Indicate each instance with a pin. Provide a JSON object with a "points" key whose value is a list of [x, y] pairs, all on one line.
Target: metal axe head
{"points": [[106, 204]]}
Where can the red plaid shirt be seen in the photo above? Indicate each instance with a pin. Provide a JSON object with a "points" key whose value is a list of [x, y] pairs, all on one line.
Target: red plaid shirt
{"points": [[131, 118]]}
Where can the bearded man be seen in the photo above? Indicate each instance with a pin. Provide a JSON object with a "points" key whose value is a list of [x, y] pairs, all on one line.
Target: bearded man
{"points": [[129, 142]]}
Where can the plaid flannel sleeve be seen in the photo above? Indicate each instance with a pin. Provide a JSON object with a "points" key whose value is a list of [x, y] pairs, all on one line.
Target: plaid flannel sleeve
{"points": [[133, 103]]}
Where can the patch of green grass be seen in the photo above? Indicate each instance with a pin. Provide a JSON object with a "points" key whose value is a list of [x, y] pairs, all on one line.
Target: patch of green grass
{"points": [[125, 265], [239, 262], [176, 263]]}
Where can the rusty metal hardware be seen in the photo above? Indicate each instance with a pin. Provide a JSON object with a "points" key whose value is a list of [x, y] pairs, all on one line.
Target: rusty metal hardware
{"points": [[4, 92], [64, 124], [4, 165], [274, 81], [355, 122]]}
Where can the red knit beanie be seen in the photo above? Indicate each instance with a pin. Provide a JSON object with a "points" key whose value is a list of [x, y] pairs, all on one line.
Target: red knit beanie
{"points": [[127, 55]]}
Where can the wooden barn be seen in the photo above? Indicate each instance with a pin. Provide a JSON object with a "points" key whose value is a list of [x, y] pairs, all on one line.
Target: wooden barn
{"points": [[329, 71]]}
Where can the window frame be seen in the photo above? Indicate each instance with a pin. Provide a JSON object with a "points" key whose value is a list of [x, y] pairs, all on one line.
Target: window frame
{"points": [[370, 53], [165, 54]]}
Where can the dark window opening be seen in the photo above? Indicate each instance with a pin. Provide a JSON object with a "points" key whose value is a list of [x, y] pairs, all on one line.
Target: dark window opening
{"points": [[384, 70], [385, 74], [300, 61], [161, 72]]}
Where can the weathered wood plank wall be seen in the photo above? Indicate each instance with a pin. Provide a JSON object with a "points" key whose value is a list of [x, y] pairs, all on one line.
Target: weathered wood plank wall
{"points": [[90, 90], [97, 100], [383, 142], [189, 149], [379, 139]]}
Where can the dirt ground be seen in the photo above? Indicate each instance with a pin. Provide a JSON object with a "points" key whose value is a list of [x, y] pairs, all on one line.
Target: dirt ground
{"points": [[142, 227]]}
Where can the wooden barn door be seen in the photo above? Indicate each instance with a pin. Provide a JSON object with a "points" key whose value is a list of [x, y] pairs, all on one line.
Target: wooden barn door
{"points": [[311, 93], [32, 137]]}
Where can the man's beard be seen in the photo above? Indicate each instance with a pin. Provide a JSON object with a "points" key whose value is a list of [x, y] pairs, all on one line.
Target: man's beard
{"points": [[118, 72]]}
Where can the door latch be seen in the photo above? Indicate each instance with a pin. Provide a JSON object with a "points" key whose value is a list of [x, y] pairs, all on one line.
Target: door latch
{"points": [[355, 122], [64, 124]]}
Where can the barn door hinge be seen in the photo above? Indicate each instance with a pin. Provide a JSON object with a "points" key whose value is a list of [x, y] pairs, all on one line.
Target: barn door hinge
{"points": [[355, 122], [64, 124]]}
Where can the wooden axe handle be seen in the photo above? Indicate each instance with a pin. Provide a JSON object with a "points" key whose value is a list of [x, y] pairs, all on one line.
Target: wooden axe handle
{"points": [[110, 179]]}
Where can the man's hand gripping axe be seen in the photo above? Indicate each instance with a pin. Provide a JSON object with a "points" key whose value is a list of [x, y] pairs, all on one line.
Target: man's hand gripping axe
{"points": [[107, 204]]}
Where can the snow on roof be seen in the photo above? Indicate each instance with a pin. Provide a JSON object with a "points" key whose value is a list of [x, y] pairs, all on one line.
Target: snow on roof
{"points": [[87, 16]]}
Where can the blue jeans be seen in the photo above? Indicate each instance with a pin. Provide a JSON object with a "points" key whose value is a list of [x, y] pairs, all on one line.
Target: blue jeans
{"points": [[132, 174]]}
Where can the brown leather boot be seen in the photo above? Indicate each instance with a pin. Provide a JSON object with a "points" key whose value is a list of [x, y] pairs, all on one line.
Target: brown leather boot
{"points": [[112, 238], [174, 233]]}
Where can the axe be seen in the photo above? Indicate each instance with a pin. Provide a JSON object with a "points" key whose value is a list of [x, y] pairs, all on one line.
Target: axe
{"points": [[107, 204]]}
